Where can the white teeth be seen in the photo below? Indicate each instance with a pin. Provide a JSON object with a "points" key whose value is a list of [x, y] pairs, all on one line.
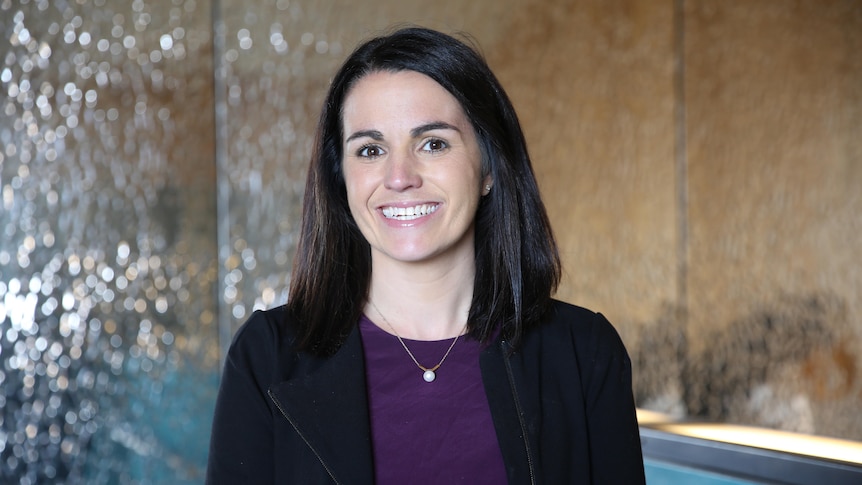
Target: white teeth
{"points": [[409, 213]]}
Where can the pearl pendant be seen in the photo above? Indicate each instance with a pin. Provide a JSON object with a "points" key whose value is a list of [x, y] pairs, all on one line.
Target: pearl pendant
{"points": [[429, 376]]}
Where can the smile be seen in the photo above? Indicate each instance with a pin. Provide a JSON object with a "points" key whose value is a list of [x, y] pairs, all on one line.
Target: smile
{"points": [[408, 213]]}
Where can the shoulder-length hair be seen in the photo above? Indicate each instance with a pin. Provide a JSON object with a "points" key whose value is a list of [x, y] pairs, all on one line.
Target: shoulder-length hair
{"points": [[517, 262]]}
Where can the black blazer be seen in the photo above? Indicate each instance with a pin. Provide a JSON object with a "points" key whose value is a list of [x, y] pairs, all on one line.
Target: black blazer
{"points": [[561, 404]]}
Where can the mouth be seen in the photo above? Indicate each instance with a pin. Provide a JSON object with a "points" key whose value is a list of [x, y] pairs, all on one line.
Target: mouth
{"points": [[408, 213]]}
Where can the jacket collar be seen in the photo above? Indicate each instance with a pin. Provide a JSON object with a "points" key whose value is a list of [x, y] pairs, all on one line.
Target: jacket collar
{"points": [[326, 403]]}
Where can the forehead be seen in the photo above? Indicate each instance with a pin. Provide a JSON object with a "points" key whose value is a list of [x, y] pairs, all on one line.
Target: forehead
{"points": [[384, 96]]}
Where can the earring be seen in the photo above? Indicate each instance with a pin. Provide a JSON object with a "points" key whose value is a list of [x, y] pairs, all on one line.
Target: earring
{"points": [[487, 189]]}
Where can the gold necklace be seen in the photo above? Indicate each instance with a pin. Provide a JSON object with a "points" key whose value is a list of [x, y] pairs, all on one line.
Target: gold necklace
{"points": [[427, 373]]}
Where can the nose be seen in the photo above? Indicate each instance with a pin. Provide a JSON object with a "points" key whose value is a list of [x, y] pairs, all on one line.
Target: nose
{"points": [[402, 173]]}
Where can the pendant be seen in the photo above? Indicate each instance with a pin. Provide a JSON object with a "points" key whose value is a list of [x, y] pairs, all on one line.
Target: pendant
{"points": [[429, 376]]}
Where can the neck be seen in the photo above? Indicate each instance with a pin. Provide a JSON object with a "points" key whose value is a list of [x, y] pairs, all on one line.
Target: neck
{"points": [[421, 302]]}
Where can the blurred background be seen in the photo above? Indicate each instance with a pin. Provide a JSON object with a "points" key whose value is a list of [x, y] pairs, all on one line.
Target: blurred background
{"points": [[701, 161]]}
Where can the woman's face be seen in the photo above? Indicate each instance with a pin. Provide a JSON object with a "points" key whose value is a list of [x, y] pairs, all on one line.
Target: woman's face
{"points": [[412, 167]]}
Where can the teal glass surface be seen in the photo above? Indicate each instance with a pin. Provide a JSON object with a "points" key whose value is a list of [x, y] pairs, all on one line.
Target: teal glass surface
{"points": [[662, 473]]}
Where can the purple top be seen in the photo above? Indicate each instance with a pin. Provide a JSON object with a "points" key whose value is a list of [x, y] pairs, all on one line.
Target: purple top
{"points": [[429, 433]]}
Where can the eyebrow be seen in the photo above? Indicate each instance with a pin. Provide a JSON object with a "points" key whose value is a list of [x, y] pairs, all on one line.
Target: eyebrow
{"points": [[434, 125], [373, 134], [415, 132]]}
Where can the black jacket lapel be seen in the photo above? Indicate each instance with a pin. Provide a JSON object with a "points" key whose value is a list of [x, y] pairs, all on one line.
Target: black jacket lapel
{"points": [[326, 403]]}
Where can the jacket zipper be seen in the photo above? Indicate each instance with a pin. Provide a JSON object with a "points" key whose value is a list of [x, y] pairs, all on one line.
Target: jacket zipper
{"points": [[292, 423], [511, 377]]}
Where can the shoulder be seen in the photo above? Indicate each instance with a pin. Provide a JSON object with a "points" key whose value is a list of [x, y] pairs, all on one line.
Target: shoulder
{"points": [[263, 345], [562, 312], [571, 325], [585, 339], [263, 327], [565, 317]]}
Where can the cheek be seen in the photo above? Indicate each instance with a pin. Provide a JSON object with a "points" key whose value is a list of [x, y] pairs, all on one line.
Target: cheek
{"points": [[357, 195], [352, 200], [472, 183]]}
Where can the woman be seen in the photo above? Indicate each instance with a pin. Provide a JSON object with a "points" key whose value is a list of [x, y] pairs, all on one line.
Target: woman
{"points": [[420, 343]]}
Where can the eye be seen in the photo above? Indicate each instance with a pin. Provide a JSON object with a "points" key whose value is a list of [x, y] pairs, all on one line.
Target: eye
{"points": [[369, 151], [435, 145]]}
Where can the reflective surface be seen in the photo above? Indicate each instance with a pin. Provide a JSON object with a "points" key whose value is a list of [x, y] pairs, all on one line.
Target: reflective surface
{"points": [[107, 260]]}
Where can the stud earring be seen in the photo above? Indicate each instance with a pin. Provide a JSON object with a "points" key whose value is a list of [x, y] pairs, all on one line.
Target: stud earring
{"points": [[487, 189]]}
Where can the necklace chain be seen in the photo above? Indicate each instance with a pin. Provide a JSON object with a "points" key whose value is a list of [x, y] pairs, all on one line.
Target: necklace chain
{"points": [[429, 374]]}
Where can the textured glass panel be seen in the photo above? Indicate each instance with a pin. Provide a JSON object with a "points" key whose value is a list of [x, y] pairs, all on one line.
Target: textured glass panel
{"points": [[107, 257]]}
